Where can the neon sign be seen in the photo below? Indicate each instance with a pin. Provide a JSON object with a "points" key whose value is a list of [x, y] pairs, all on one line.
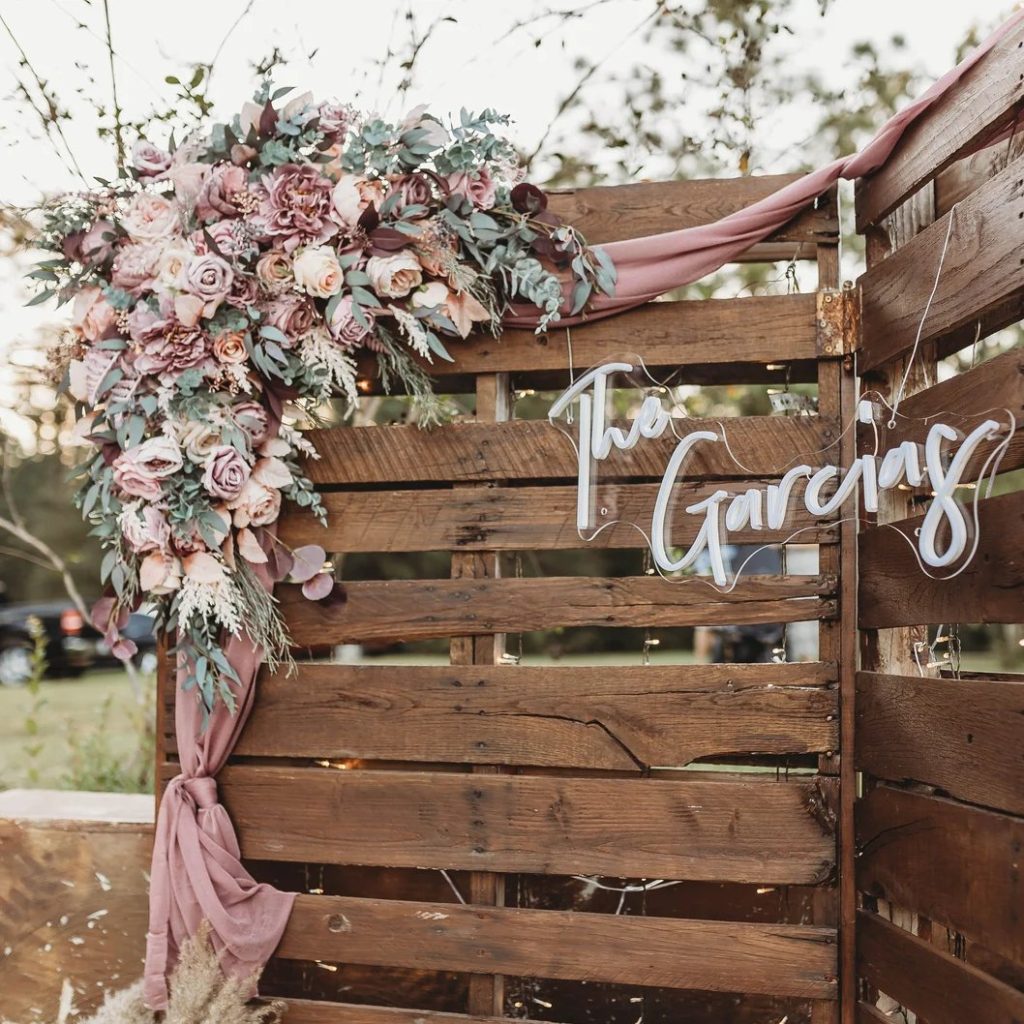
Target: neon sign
{"points": [[947, 454]]}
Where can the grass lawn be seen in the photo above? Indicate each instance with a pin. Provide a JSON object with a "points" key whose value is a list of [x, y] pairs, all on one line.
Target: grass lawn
{"points": [[95, 715]]}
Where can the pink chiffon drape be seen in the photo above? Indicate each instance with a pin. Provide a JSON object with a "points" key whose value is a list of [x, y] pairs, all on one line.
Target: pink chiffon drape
{"points": [[197, 871]]}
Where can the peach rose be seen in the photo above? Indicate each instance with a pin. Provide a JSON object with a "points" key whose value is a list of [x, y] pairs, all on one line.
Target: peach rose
{"points": [[317, 271], [91, 314], [274, 269], [159, 573], [150, 218], [229, 347], [396, 275]]}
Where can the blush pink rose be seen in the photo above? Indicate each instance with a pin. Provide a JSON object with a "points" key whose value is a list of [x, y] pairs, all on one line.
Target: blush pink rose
{"points": [[97, 244], [91, 315], [140, 470], [292, 315], [209, 278], [395, 275], [136, 268], [219, 189], [150, 218], [226, 472], [159, 573], [477, 186], [150, 161], [256, 505], [146, 529]]}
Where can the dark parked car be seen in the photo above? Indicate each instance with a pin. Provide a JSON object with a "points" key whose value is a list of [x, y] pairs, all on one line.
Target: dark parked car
{"points": [[72, 644]]}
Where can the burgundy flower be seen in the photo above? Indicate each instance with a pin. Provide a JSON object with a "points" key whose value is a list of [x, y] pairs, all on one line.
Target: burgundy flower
{"points": [[296, 206], [527, 198]]}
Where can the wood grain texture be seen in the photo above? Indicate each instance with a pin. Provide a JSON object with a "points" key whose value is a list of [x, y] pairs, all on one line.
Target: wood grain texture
{"points": [[982, 271], [986, 98], [610, 717], [405, 610], [868, 1014], [930, 982], [610, 213], [518, 519], [751, 329], [72, 905], [965, 175], [309, 1011], [955, 864], [718, 956], [757, 831], [536, 450], [894, 591], [961, 735]]}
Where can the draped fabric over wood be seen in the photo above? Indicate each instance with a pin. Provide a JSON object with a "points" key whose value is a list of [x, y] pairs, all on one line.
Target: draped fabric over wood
{"points": [[197, 870]]}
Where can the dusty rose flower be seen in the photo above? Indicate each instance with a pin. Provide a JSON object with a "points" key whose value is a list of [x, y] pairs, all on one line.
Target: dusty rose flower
{"points": [[141, 319], [229, 347], [216, 195], [296, 206], [159, 573], [352, 195], [171, 347], [478, 187], [95, 245], [317, 271], [150, 161], [209, 278], [415, 190], [229, 236], [292, 315], [226, 472], [150, 218], [139, 470], [274, 269], [252, 418], [345, 329], [334, 119], [256, 505], [145, 528], [188, 179], [91, 315], [245, 291], [396, 275], [135, 268]]}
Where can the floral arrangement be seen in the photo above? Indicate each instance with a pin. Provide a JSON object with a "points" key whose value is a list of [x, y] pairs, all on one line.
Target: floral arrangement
{"points": [[224, 287]]}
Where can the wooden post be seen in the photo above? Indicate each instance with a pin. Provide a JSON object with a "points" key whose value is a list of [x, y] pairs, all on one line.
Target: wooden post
{"points": [[487, 888]]}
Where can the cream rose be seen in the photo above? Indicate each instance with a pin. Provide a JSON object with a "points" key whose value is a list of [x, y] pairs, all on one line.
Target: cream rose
{"points": [[351, 196], [174, 259], [394, 276], [317, 271], [150, 218]]}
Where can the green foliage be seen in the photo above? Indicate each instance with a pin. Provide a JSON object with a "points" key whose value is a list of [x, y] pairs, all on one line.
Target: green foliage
{"points": [[98, 763]]}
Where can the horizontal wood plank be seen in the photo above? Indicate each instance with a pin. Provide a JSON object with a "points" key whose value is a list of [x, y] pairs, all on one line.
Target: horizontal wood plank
{"points": [[310, 1011], [982, 271], [537, 450], [929, 981], [957, 865], [756, 831], [986, 98], [609, 717], [406, 610], [962, 735], [610, 213], [520, 519], [752, 329], [895, 592], [717, 956]]}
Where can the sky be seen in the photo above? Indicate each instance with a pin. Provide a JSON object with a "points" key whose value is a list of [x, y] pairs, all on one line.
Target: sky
{"points": [[473, 60]]}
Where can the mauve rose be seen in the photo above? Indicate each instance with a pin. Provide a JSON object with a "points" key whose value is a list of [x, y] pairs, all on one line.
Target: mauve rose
{"points": [[145, 528], [91, 314], [170, 347], [245, 291], [150, 218], [415, 190], [256, 505], [226, 472], [229, 347], [150, 161], [252, 418], [135, 268], [478, 187], [292, 315], [274, 269], [97, 244], [209, 278], [296, 206], [217, 191], [346, 330], [394, 276], [334, 119], [139, 470]]}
